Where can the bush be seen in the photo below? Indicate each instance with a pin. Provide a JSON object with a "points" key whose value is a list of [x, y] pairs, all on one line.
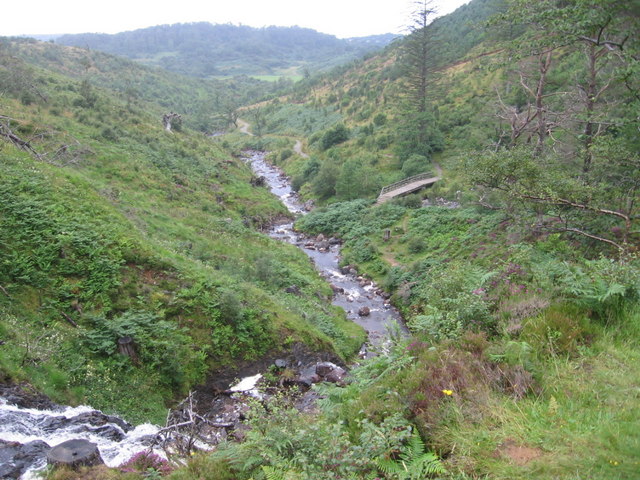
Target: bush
{"points": [[560, 330], [453, 301], [415, 165], [416, 245], [334, 136]]}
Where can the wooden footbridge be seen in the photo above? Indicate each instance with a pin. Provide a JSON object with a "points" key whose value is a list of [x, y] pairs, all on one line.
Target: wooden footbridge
{"points": [[407, 186]]}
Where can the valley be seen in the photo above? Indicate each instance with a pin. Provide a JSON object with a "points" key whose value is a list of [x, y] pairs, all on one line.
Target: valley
{"points": [[484, 324]]}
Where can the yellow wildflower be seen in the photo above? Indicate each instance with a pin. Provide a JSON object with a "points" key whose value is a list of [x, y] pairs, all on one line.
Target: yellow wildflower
{"points": [[447, 392]]}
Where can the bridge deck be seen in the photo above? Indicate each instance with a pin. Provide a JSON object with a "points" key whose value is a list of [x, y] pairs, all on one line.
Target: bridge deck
{"points": [[406, 189]]}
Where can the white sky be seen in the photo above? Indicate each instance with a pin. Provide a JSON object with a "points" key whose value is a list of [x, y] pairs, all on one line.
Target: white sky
{"points": [[343, 18]]}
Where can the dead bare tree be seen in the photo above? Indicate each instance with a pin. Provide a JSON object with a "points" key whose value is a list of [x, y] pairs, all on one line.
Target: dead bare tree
{"points": [[50, 148], [7, 133], [171, 120], [185, 429]]}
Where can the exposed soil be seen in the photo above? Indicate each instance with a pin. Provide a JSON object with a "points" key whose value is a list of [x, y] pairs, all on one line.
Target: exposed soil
{"points": [[518, 454]]}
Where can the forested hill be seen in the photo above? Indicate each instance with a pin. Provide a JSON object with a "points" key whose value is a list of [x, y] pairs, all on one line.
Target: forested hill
{"points": [[203, 49]]}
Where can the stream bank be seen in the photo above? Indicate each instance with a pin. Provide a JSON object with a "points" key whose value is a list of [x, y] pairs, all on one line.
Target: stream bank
{"points": [[30, 423]]}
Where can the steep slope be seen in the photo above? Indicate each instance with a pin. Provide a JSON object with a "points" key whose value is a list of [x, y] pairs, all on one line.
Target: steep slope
{"points": [[205, 104], [112, 227]]}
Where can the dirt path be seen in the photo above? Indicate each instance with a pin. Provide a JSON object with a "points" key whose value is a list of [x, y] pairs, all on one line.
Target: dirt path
{"points": [[244, 127]]}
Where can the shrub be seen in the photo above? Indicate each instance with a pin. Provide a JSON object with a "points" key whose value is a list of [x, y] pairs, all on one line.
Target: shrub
{"points": [[453, 301], [416, 244], [414, 165], [560, 330], [146, 462], [334, 136]]}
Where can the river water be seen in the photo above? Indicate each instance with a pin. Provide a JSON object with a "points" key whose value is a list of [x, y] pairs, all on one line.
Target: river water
{"points": [[352, 292], [118, 441]]}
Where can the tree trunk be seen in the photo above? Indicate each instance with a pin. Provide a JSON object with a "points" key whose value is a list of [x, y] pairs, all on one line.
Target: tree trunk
{"points": [[127, 347], [545, 63]]}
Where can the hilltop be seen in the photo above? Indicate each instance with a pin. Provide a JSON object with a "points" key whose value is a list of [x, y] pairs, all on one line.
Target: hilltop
{"points": [[207, 50]]}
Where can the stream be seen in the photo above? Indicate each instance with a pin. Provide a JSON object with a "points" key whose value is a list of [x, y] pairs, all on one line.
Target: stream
{"points": [[355, 294], [26, 434]]}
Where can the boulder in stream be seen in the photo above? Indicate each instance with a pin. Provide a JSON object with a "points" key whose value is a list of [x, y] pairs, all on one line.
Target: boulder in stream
{"points": [[330, 372], [16, 458], [75, 453]]}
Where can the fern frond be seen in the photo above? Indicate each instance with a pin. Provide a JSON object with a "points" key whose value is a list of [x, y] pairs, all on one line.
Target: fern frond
{"points": [[413, 463], [272, 473]]}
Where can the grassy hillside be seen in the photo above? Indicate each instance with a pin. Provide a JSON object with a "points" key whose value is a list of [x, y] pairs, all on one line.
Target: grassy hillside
{"points": [[206, 105], [517, 274], [113, 227]]}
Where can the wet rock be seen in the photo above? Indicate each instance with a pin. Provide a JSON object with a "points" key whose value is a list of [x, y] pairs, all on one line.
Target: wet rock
{"points": [[109, 426], [109, 432], [304, 382], [337, 289], [324, 368], [362, 353], [258, 181], [337, 376], [308, 205], [23, 396], [364, 311], [320, 238], [330, 372], [280, 363], [16, 458], [334, 241], [97, 418], [75, 453], [322, 245]]}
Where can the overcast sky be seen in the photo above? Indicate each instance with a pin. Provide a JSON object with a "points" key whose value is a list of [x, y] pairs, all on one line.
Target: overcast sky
{"points": [[343, 18]]}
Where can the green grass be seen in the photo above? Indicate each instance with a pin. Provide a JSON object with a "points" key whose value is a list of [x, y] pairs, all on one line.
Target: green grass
{"points": [[583, 422], [141, 221]]}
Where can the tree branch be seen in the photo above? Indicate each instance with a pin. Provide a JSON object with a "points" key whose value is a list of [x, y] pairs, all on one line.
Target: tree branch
{"points": [[594, 237]]}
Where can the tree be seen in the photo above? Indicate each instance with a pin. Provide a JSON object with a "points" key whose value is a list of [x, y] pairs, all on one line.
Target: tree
{"points": [[417, 128], [543, 192], [357, 180], [418, 54], [600, 29], [334, 136], [324, 182], [259, 120], [595, 198]]}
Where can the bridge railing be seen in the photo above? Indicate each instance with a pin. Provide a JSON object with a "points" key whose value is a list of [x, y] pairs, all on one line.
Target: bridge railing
{"points": [[406, 181]]}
